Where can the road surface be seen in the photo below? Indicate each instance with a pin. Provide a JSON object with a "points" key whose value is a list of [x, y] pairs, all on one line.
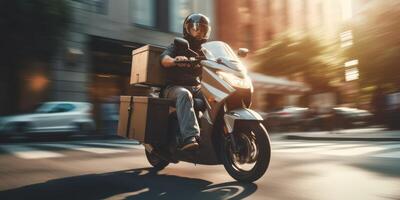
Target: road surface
{"points": [[118, 169]]}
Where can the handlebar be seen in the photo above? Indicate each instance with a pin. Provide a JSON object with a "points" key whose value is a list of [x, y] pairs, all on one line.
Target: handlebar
{"points": [[186, 61], [193, 61]]}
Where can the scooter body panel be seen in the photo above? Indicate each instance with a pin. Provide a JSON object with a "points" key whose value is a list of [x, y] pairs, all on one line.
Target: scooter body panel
{"points": [[232, 117]]}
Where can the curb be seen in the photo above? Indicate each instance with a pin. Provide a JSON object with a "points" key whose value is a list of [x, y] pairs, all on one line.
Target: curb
{"points": [[298, 137]]}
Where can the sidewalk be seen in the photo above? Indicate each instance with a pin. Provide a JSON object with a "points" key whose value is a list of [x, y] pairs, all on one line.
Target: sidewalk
{"points": [[365, 134]]}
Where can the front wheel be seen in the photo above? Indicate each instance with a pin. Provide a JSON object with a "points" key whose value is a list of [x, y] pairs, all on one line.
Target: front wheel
{"points": [[252, 156]]}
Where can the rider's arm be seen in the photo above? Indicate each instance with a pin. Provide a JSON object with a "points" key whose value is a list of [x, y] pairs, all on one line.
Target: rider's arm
{"points": [[167, 61], [168, 57]]}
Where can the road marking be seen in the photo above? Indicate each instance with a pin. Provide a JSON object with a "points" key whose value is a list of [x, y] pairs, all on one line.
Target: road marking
{"points": [[395, 154], [29, 152], [130, 146], [303, 149], [316, 149], [303, 144], [391, 146], [124, 141], [95, 150], [284, 143], [352, 151], [336, 149]]}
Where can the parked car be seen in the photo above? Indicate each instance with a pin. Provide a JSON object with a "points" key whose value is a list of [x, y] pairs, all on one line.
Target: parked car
{"points": [[51, 117], [346, 117], [392, 110], [338, 118], [285, 119]]}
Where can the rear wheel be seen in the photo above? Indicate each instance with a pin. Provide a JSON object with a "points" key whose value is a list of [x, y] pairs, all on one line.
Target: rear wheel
{"points": [[253, 155], [157, 162]]}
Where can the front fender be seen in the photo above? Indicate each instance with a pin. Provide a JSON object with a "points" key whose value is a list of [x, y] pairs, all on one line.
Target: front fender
{"points": [[237, 116]]}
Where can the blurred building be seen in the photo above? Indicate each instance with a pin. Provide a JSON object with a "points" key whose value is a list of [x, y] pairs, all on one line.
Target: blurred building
{"points": [[271, 92], [94, 62], [252, 23], [102, 36]]}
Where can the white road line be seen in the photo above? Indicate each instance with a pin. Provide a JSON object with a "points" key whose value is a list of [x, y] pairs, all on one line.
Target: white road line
{"points": [[95, 150], [130, 146], [316, 149], [284, 143], [304, 144], [303, 150], [390, 146], [353, 151], [123, 141], [337, 149], [394, 154], [29, 152]]}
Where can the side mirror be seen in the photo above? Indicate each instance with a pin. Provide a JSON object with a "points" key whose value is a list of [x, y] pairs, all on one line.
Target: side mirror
{"points": [[181, 43], [184, 44], [242, 52]]}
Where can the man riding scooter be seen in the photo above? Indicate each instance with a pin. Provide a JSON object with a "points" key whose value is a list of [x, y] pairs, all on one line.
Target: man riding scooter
{"points": [[183, 81]]}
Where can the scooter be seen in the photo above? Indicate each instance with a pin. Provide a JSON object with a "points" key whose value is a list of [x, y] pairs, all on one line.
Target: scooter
{"points": [[231, 133]]}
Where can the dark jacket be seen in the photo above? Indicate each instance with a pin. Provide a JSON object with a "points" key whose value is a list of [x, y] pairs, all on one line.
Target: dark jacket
{"points": [[181, 75]]}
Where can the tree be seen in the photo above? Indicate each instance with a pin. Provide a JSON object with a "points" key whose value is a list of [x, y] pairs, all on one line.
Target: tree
{"points": [[377, 44], [31, 30], [288, 54]]}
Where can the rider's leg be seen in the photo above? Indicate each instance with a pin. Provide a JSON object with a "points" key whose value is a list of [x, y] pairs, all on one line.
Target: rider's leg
{"points": [[188, 124]]}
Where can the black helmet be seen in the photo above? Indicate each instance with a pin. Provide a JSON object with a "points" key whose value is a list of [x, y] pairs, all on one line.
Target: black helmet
{"points": [[196, 28]]}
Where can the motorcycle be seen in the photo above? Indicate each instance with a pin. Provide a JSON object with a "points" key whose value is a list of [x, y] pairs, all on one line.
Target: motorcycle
{"points": [[231, 133]]}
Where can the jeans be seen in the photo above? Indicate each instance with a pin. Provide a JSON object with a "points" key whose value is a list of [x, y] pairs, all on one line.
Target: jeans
{"points": [[183, 97]]}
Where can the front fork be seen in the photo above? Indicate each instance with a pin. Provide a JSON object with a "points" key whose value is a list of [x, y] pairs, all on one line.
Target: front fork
{"points": [[232, 121], [231, 137]]}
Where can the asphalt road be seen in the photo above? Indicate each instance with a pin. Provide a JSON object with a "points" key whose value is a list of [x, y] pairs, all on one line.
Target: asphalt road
{"points": [[118, 169]]}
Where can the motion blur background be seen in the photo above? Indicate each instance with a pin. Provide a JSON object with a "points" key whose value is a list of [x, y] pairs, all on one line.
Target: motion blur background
{"points": [[315, 64]]}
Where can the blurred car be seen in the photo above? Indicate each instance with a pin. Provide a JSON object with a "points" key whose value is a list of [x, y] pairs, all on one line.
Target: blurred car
{"points": [[51, 117], [287, 118], [346, 117], [392, 111], [338, 118]]}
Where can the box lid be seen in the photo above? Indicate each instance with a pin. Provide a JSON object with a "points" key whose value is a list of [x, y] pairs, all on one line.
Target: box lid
{"points": [[148, 48], [125, 98]]}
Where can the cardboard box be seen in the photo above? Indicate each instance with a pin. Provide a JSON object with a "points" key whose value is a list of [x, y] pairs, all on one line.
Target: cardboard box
{"points": [[144, 119], [150, 119], [125, 115], [146, 67]]}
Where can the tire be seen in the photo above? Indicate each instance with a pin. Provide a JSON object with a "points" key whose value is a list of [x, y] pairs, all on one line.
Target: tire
{"points": [[155, 161], [262, 146]]}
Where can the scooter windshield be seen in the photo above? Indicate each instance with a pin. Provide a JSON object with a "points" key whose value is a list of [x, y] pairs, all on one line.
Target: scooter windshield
{"points": [[219, 50]]}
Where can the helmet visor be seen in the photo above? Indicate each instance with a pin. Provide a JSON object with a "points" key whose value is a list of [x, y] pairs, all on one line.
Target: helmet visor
{"points": [[198, 30]]}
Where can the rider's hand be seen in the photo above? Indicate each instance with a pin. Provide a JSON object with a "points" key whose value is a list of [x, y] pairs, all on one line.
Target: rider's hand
{"points": [[181, 58]]}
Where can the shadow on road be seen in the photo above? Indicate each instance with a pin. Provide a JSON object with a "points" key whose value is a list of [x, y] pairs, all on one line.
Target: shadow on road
{"points": [[384, 167], [130, 184]]}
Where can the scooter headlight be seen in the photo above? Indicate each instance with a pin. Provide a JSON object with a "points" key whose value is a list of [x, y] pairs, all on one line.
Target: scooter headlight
{"points": [[234, 80]]}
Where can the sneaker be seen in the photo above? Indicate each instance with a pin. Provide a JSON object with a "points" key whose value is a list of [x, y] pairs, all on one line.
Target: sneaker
{"points": [[189, 144]]}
